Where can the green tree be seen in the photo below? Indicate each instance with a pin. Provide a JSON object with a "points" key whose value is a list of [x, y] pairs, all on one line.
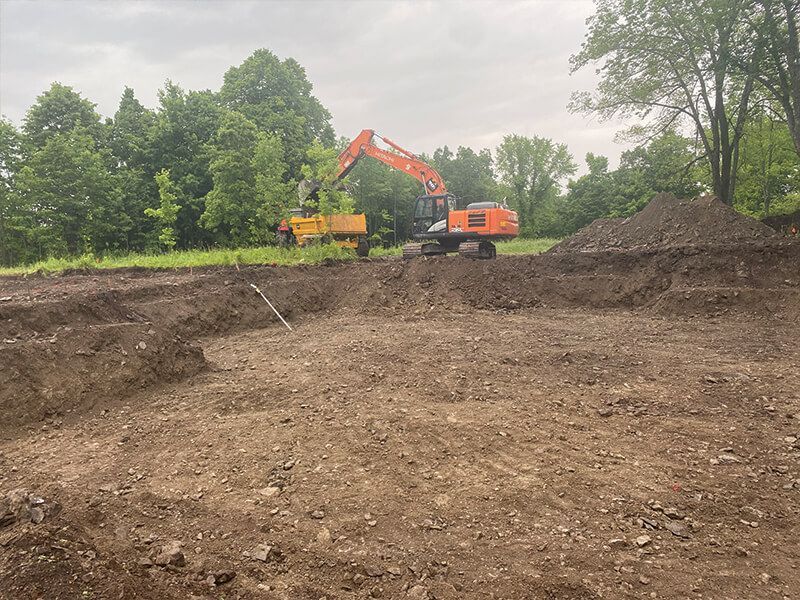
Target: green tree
{"points": [[774, 41], [273, 191], [588, 198], [672, 61], [386, 197], [667, 164], [469, 175], [166, 215], [231, 205], [769, 170], [185, 123], [276, 96], [129, 132], [249, 193], [322, 165], [532, 169], [130, 146], [60, 110], [14, 220], [73, 198]]}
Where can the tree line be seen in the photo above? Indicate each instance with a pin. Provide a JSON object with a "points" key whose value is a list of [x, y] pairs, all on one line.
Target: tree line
{"points": [[715, 84]]}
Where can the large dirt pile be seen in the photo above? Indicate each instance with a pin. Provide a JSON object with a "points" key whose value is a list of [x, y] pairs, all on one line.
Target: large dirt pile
{"points": [[667, 222]]}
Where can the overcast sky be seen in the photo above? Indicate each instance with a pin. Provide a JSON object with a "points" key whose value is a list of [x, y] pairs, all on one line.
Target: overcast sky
{"points": [[423, 73]]}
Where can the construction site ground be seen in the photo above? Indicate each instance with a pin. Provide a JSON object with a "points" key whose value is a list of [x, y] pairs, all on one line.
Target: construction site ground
{"points": [[584, 425]]}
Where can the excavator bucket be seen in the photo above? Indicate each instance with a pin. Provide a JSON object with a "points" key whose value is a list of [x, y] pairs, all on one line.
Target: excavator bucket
{"points": [[307, 189]]}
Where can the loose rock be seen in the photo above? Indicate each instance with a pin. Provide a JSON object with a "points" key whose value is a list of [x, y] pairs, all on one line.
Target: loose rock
{"points": [[171, 554]]}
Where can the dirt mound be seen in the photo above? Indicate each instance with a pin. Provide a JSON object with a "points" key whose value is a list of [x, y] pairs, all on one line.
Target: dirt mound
{"points": [[667, 222]]}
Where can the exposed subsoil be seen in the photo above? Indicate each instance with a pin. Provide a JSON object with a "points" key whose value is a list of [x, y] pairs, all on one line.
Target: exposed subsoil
{"points": [[599, 424]]}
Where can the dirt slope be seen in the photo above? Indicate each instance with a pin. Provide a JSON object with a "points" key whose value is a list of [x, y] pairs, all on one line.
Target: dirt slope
{"points": [[77, 341]]}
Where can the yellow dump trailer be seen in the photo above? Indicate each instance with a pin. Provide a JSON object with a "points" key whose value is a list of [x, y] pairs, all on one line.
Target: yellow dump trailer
{"points": [[347, 231]]}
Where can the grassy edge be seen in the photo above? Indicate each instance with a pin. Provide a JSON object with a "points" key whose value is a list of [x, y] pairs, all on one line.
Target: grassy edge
{"points": [[242, 256]]}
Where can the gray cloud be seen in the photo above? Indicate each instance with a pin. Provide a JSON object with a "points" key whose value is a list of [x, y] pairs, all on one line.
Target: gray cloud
{"points": [[424, 73]]}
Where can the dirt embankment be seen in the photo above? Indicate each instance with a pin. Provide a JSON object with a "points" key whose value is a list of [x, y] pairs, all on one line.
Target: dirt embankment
{"points": [[76, 341]]}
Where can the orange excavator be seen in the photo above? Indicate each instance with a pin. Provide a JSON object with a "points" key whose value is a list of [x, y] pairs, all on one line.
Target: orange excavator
{"points": [[440, 224]]}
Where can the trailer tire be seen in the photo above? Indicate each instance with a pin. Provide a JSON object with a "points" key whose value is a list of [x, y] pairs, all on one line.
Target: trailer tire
{"points": [[362, 249]]}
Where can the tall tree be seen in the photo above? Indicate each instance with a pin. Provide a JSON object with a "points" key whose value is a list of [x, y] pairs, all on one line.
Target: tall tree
{"points": [[130, 145], [60, 109], [276, 96], [130, 129], [185, 123], [668, 61], [249, 193], [769, 170], [775, 41], [273, 191], [532, 168], [14, 226], [230, 206], [72, 196], [469, 175]]}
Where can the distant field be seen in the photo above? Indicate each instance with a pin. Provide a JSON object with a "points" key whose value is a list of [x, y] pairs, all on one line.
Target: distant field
{"points": [[241, 256]]}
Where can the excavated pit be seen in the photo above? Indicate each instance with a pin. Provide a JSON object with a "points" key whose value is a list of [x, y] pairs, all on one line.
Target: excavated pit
{"points": [[570, 425], [77, 341]]}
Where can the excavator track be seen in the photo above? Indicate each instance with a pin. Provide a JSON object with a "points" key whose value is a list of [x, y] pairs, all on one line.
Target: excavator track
{"points": [[413, 250], [477, 249]]}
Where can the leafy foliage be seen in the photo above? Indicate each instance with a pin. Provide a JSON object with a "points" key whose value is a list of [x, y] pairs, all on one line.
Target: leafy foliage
{"points": [[671, 62], [322, 165], [60, 110], [166, 214], [667, 164], [276, 96], [14, 218], [249, 193], [773, 40], [532, 169], [469, 175], [71, 197], [769, 175]]}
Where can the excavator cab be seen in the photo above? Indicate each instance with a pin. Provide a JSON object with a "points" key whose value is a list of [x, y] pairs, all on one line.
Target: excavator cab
{"points": [[430, 215]]}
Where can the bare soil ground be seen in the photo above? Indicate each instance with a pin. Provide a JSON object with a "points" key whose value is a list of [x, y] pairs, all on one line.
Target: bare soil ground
{"points": [[593, 425]]}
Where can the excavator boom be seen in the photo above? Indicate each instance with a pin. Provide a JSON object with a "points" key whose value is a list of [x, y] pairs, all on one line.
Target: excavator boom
{"points": [[400, 159]]}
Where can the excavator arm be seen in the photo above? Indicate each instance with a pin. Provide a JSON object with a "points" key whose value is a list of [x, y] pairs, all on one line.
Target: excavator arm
{"points": [[397, 158]]}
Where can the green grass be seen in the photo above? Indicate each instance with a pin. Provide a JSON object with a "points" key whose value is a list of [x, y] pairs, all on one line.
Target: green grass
{"points": [[190, 258], [242, 256], [390, 251], [526, 246]]}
